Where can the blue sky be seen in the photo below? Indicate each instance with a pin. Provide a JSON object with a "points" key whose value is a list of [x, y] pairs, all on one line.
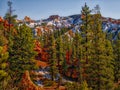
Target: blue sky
{"points": [[40, 9]]}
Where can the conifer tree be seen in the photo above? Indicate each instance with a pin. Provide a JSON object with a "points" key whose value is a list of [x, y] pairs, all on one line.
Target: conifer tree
{"points": [[3, 56], [74, 52], [60, 52], [11, 19], [79, 55], [65, 49], [9, 15], [116, 48], [21, 53], [3, 39], [3, 59], [84, 86], [100, 70], [3, 67], [86, 33], [86, 30], [53, 58], [68, 48]]}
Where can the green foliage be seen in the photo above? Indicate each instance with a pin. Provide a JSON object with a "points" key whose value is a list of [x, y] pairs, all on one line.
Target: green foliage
{"points": [[116, 47], [3, 40], [78, 53], [76, 86], [53, 58], [90, 48], [117, 88], [3, 64], [60, 32], [3, 69], [87, 38], [101, 64], [48, 83], [11, 18], [60, 51], [21, 52], [84, 86]]}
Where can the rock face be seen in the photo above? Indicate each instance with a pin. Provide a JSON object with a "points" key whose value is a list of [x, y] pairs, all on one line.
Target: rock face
{"points": [[53, 17], [27, 84], [27, 19]]}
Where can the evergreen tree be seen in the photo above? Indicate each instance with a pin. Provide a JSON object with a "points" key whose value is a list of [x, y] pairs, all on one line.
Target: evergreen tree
{"points": [[53, 58], [74, 53], [3, 59], [67, 48], [21, 53], [79, 55], [84, 86], [12, 24], [100, 70], [86, 30], [87, 33], [116, 47], [8, 16], [3, 39], [3, 67], [60, 52]]}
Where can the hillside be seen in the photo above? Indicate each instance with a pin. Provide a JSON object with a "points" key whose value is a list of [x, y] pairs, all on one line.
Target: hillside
{"points": [[109, 25]]}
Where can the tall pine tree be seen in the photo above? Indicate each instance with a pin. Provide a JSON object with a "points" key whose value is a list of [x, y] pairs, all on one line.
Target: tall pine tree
{"points": [[3, 59], [21, 53], [53, 58], [60, 52], [3, 68], [86, 32], [116, 47], [101, 65], [77, 41]]}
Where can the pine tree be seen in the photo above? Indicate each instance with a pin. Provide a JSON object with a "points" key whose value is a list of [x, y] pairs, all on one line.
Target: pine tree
{"points": [[3, 39], [8, 16], [67, 48], [3, 59], [116, 47], [74, 52], [53, 58], [87, 33], [60, 52], [86, 30], [101, 65], [110, 65], [79, 55], [21, 53], [3, 67], [11, 19], [84, 86]]}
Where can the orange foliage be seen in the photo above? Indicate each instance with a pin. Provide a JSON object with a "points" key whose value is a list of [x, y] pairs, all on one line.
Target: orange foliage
{"points": [[68, 56], [37, 46], [39, 32], [5, 24], [74, 74], [42, 54], [1, 19], [41, 63], [5, 48]]}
